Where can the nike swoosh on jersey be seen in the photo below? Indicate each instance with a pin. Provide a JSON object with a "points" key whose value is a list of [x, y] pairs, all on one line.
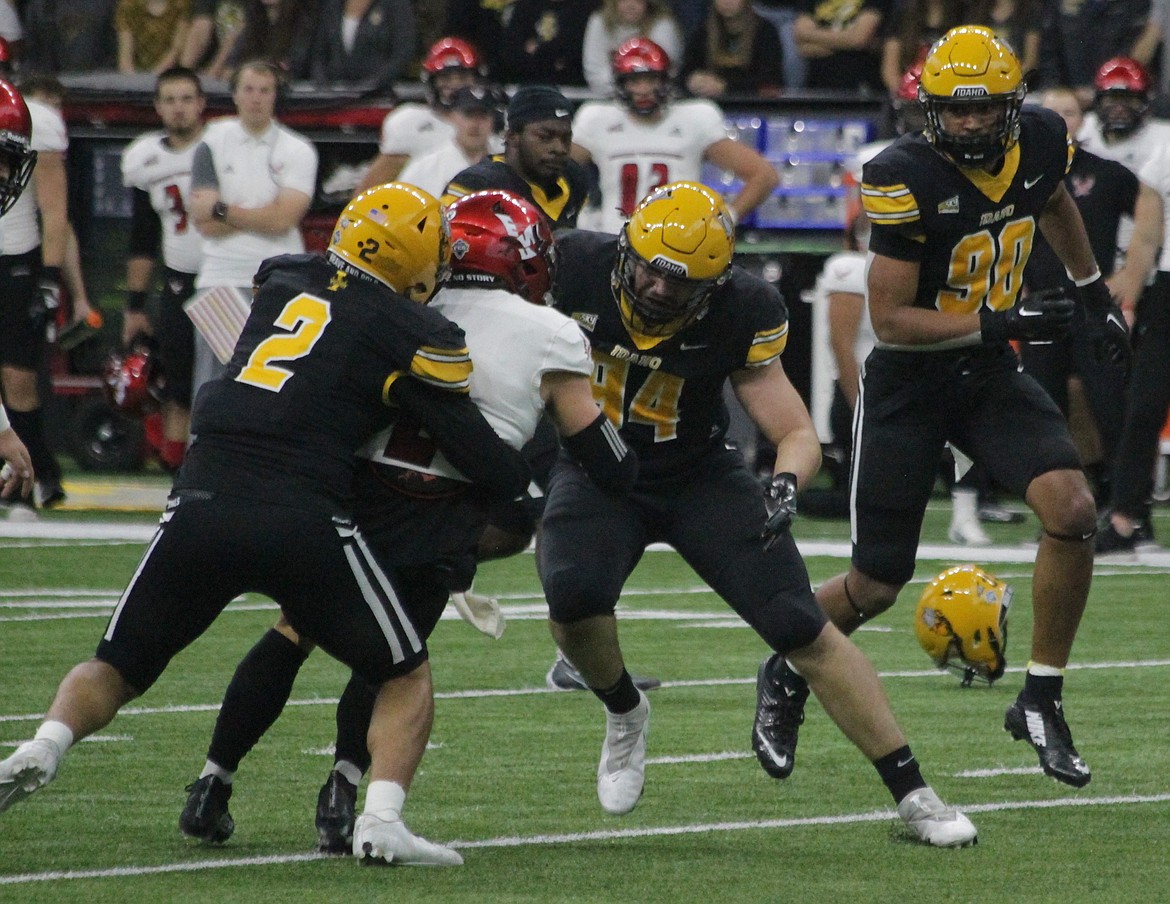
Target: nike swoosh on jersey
{"points": [[1029, 183]]}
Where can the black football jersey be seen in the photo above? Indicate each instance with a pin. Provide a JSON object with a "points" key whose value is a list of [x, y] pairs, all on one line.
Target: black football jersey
{"points": [[971, 232], [561, 207], [311, 380], [667, 400], [1103, 191]]}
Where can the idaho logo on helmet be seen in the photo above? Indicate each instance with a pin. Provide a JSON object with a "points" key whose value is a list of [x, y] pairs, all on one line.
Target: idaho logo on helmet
{"points": [[961, 623]]}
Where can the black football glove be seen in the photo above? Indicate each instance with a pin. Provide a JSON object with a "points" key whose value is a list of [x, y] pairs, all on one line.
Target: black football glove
{"points": [[780, 501], [1105, 326], [1041, 317], [43, 311]]}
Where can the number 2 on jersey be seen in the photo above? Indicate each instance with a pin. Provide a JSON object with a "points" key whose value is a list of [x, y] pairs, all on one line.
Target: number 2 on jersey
{"points": [[307, 317]]}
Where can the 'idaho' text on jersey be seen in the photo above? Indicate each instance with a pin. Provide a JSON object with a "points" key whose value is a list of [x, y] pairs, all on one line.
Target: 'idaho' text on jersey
{"points": [[971, 232]]}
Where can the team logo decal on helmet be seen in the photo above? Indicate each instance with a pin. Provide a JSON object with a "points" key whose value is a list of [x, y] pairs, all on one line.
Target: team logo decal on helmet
{"points": [[970, 67], [673, 252], [394, 233], [961, 623], [498, 238]]}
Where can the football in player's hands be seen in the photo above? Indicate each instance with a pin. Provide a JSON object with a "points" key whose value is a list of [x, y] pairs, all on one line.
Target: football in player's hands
{"points": [[1041, 317]]}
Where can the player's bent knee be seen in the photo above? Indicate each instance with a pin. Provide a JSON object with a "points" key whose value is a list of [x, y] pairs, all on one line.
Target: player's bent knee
{"points": [[1064, 504]]}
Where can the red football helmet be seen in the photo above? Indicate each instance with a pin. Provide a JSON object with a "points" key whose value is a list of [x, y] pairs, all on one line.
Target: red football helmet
{"points": [[448, 54], [15, 149], [497, 237], [908, 113], [641, 56], [1123, 96], [130, 381]]}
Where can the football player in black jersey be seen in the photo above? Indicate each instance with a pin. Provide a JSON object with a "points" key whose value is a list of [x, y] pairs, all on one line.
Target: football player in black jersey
{"points": [[954, 212], [535, 164], [669, 320], [335, 348]]}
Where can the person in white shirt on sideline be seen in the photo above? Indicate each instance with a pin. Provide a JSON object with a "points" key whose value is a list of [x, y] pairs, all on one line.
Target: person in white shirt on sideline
{"points": [[475, 112]]}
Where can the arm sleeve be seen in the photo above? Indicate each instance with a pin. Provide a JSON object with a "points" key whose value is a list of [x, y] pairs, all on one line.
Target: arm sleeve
{"points": [[203, 173], [145, 227], [606, 459], [467, 440]]}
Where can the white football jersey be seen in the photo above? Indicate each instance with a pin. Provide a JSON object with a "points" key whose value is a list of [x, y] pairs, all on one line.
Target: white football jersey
{"points": [[513, 344], [149, 163], [413, 129], [19, 229], [1134, 150], [635, 156]]}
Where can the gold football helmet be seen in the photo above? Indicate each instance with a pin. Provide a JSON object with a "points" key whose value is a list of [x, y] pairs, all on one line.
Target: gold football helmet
{"points": [[961, 622], [397, 234], [970, 67], [673, 252]]}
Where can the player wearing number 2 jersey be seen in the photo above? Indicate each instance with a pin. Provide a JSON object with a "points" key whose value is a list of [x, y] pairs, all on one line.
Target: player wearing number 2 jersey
{"points": [[331, 348], [954, 212], [642, 139]]}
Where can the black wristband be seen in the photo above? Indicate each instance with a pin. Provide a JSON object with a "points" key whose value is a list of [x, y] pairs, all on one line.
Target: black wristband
{"points": [[135, 301], [219, 211], [51, 274]]}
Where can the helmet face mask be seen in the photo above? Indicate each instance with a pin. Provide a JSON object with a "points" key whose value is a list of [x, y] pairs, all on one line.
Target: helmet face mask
{"points": [[395, 234], [961, 623], [673, 252], [970, 74], [16, 153], [500, 239], [641, 76]]}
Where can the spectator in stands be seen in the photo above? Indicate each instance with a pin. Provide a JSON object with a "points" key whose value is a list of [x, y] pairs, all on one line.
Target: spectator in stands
{"points": [[911, 31], [279, 31], [411, 129], [35, 236], [1079, 37], [69, 35], [641, 140], [1019, 22], [841, 43], [151, 33], [366, 44], [475, 112], [733, 51], [481, 24], [212, 33], [542, 40], [252, 181], [782, 14], [617, 20]]}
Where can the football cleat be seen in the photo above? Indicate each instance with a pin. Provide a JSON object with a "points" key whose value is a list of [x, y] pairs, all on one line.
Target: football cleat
{"points": [[1041, 723], [391, 843], [336, 812], [1109, 542], [933, 822], [780, 697], [967, 532], [622, 769], [563, 676], [30, 768], [205, 817]]}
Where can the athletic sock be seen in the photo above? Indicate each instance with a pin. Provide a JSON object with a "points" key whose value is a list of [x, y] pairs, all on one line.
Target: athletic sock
{"points": [[900, 773], [354, 711], [622, 697]]}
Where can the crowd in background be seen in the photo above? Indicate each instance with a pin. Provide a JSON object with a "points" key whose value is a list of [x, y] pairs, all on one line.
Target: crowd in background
{"points": [[717, 47]]}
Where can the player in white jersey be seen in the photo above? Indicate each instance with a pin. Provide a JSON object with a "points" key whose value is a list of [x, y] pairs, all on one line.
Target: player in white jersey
{"points": [[413, 129], [157, 166], [531, 359], [475, 110], [642, 139]]}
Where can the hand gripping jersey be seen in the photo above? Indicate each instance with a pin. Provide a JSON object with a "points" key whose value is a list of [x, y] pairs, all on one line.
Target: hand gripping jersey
{"points": [[971, 232], [311, 380], [150, 164], [635, 155], [667, 401]]}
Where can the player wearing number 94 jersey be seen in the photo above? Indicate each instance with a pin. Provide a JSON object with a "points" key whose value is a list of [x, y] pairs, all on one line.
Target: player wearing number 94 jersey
{"points": [[954, 212]]}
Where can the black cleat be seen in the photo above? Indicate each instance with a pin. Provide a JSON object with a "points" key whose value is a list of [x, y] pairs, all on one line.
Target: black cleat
{"points": [[336, 814], [1109, 542], [1041, 724], [780, 697], [563, 676], [206, 817]]}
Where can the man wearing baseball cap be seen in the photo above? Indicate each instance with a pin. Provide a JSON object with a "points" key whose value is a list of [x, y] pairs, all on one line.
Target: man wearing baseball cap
{"points": [[535, 164]]}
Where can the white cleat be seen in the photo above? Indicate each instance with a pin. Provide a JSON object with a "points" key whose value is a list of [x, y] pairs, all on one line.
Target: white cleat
{"points": [[934, 823], [968, 533], [622, 769], [391, 842], [31, 767]]}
